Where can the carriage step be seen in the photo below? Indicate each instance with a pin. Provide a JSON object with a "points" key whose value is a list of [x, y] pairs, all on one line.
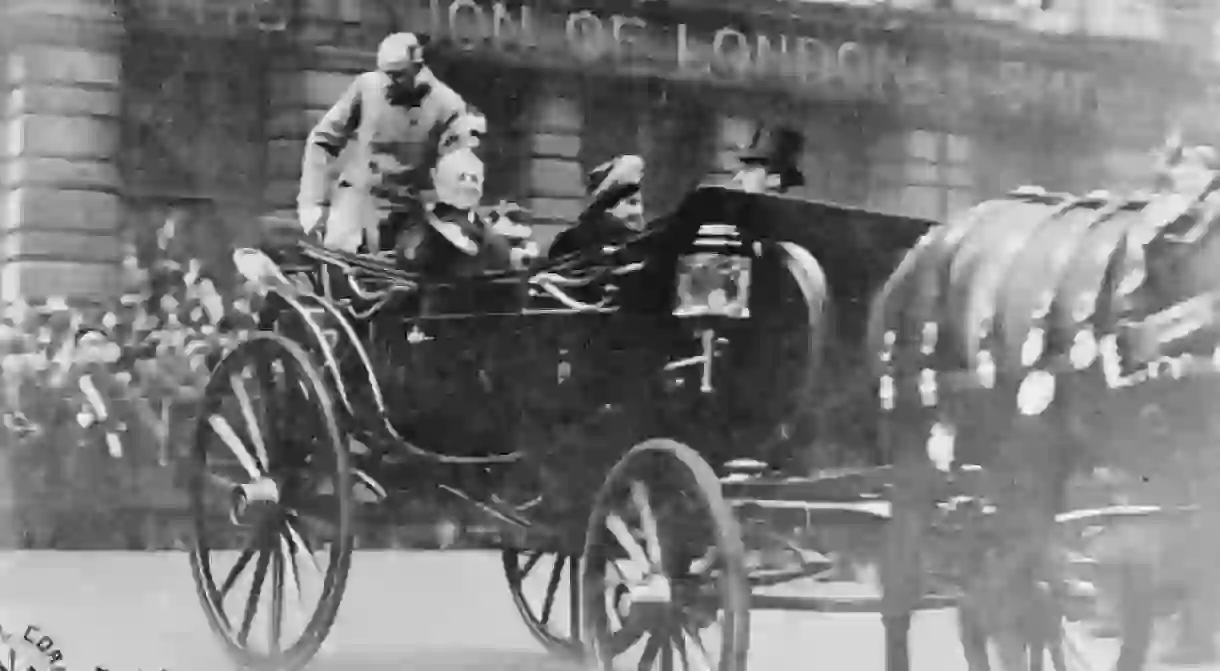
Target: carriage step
{"points": [[878, 510], [497, 508], [839, 604], [1119, 511]]}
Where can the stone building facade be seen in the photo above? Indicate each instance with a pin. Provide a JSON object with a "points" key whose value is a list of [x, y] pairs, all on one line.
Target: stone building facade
{"points": [[120, 111]]}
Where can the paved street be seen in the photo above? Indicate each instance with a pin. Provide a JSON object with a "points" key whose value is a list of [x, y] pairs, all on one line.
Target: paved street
{"points": [[423, 611]]}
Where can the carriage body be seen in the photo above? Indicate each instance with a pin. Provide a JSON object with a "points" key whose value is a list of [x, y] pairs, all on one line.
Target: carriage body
{"points": [[733, 325]]}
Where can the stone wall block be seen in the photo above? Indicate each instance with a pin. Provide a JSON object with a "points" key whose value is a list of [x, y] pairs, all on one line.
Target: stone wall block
{"points": [[552, 145], [292, 123], [62, 65], [84, 246], [48, 208], [284, 158], [309, 89], [36, 280], [556, 209], [63, 101], [56, 136], [555, 178], [75, 174]]}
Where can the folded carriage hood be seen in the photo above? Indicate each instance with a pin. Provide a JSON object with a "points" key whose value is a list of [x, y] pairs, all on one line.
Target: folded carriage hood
{"points": [[858, 249]]}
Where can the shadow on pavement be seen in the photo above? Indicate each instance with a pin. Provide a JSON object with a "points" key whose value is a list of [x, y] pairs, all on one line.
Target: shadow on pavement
{"points": [[442, 660]]}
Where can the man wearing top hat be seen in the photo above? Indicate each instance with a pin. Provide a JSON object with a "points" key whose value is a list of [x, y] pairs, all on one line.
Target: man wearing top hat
{"points": [[769, 163], [615, 211], [395, 116]]}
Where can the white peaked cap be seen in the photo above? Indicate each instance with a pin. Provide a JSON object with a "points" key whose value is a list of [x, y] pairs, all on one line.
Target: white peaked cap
{"points": [[399, 51]]}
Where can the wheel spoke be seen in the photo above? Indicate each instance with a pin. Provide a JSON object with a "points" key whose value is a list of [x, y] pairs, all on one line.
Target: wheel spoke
{"points": [[301, 545], [648, 522], [623, 535], [703, 661], [221, 482], [256, 590], [667, 652], [574, 597], [290, 565], [252, 423], [618, 642], [236, 571], [678, 644], [277, 596], [651, 649], [552, 588], [529, 565], [225, 431]]}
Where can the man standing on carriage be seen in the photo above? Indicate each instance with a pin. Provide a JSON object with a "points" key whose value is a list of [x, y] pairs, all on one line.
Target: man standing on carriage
{"points": [[396, 115]]}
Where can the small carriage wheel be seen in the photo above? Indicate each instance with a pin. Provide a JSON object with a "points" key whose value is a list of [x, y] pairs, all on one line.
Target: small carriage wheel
{"points": [[282, 473], [518, 566], [657, 583]]}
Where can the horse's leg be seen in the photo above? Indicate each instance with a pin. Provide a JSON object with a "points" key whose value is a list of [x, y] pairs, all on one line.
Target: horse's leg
{"points": [[973, 635], [1138, 615], [911, 497]]}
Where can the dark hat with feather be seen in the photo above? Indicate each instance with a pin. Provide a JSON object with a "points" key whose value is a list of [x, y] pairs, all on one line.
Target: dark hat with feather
{"points": [[614, 180]]}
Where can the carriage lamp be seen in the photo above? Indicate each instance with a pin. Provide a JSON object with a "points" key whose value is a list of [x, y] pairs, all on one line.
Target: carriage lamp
{"points": [[714, 278]]}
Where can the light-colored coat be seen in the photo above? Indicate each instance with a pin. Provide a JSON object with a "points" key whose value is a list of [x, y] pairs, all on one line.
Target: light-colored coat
{"points": [[393, 148]]}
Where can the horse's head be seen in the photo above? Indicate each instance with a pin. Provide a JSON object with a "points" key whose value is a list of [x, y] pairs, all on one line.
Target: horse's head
{"points": [[1167, 277]]}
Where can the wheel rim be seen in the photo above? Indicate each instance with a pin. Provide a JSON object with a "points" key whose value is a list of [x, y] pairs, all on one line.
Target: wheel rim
{"points": [[269, 471], [663, 586], [545, 587]]}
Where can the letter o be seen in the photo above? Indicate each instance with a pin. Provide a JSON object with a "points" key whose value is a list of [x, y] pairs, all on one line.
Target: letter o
{"points": [[814, 60], [578, 28], [44, 644], [480, 20], [740, 62], [852, 65]]}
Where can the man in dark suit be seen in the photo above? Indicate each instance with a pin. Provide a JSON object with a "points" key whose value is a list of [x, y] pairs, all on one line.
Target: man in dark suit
{"points": [[615, 211]]}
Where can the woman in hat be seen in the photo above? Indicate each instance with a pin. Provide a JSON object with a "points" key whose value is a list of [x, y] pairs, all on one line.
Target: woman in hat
{"points": [[616, 208]]}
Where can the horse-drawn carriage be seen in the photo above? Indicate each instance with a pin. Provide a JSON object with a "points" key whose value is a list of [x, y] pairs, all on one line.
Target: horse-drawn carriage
{"points": [[974, 364], [522, 394]]}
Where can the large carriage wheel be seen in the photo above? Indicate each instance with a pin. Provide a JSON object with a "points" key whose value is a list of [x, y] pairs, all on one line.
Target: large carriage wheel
{"points": [[270, 476], [526, 569], [664, 566]]}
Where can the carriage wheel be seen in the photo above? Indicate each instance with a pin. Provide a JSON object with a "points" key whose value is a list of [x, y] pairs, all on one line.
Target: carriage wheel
{"points": [[270, 477], [526, 570], [664, 567]]}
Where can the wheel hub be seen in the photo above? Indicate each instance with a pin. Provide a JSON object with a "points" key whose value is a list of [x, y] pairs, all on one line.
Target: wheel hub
{"points": [[251, 501], [651, 592]]}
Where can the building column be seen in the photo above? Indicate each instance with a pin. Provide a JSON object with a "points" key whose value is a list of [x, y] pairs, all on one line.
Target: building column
{"points": [[61, 183], [304, 85], [555, 181]]}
